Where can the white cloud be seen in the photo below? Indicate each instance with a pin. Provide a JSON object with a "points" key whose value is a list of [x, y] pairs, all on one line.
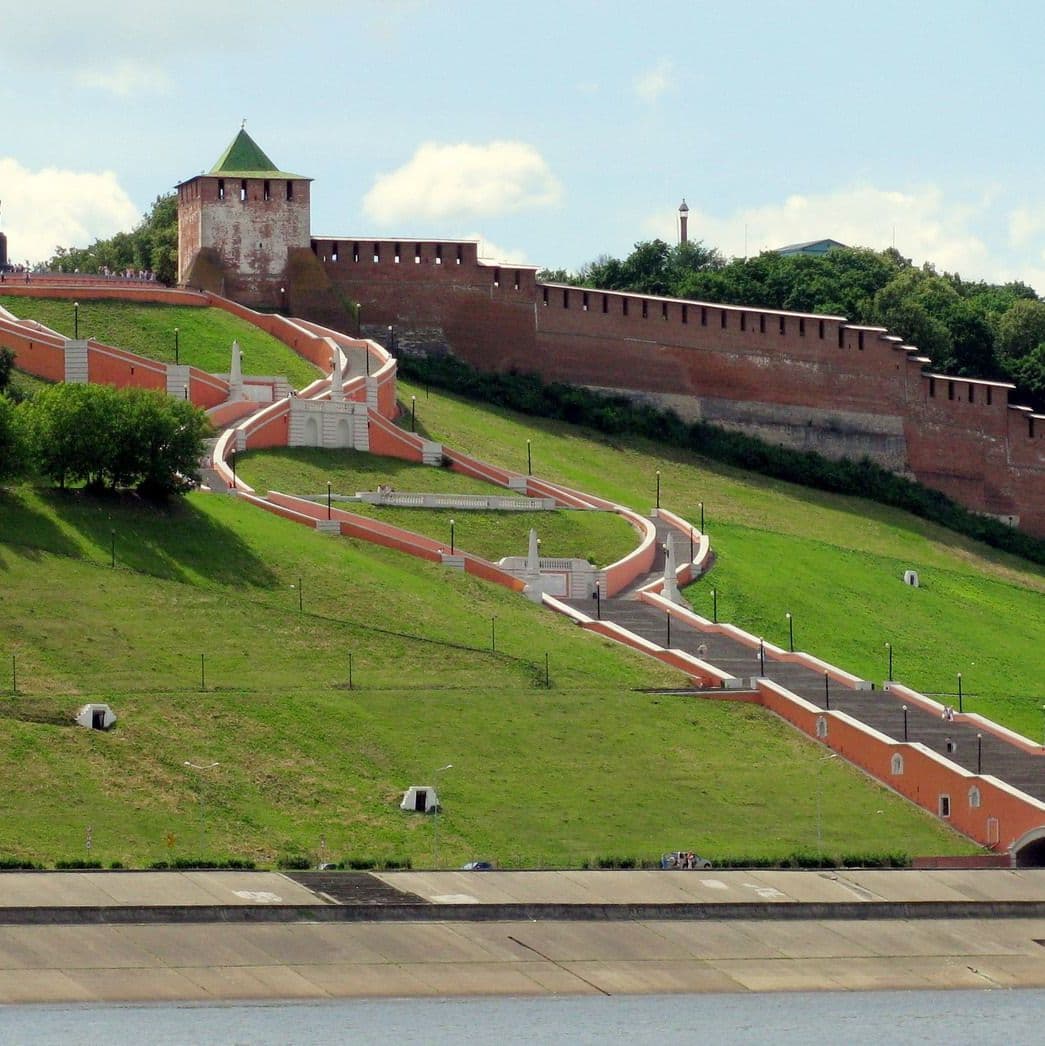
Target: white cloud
{"points": [[441, 181], [1026, 225], [927, 226], [125, 79], [650, 85], [49, 208], [493, 253]]}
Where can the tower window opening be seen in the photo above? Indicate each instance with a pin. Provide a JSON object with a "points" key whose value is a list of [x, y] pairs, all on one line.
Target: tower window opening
{"points": [[516, 286], [544, 295], [989, 391], [266, 190], [703, 316], [950, 390], [645, 309], [417, 254], [565, 299], [439, 254], [584, 301], [460, 255], [290, 190], [685, 314], [377, 253], [743, 321], [972, 393], [821, 329], [860, 340], [801, 327], [783, 325], [334, 252], [396, 253], [497, 277], [221, 188], [355, 252], [605, 303], [762, 323], [932, 387], [624, 306], [243, 191]]}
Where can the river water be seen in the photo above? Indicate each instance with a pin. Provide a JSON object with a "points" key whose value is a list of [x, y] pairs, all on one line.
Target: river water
{"points": [[853, 1018]]}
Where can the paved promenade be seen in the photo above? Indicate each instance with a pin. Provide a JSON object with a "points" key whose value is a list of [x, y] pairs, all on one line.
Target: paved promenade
{"points": [[65, 957]]}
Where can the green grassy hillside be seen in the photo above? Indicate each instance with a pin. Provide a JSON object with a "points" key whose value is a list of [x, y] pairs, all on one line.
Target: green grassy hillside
{"points": [[600, 537], [591, 765], [835, 563], [205, 336]]}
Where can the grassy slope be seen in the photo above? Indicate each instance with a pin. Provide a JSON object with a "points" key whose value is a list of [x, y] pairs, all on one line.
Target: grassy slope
{"points": [[834, 562], [589, 766], [204, 340], [600, 537]]}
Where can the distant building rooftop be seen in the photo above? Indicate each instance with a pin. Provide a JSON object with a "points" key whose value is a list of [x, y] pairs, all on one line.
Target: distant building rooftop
{"points": [[810, 247]]}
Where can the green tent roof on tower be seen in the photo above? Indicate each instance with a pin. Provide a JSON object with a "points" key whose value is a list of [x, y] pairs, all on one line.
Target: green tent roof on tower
{"points": [[244, 158]]}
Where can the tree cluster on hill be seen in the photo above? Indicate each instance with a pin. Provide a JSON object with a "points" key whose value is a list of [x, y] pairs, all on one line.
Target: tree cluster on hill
{"points": [[968, 328], [151, 245], [103, 437]]}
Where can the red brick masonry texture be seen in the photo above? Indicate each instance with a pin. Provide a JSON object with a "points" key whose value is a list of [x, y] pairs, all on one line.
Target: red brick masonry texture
{"points": [[801, 380]]}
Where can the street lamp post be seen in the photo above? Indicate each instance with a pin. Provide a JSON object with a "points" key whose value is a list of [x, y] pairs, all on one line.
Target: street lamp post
{"points": [[76, 321], [203, 809], [761, 656], [960, 704], [905, 722], [413, 413], [529, 459], [451, 537], [328, 500], [702, 517], [819, 802], [667, 615], [435, 815], [176, 353], [658, 488], [790, 632], [889, 648], [598, 601], [691, 543], [979, 753], [232, 459], [714, 605], [392, 339], [827, 691]]}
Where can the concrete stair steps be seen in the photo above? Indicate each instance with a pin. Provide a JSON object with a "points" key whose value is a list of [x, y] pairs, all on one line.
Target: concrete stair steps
{"points": [[879, 709]]}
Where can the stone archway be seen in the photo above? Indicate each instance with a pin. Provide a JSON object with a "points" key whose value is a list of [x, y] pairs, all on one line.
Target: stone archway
{"points": [[344, 432], [312, 432], [1029, 850]]}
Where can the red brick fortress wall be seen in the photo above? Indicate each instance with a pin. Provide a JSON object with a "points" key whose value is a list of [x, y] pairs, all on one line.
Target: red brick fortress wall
{"points": [[800, 380]]}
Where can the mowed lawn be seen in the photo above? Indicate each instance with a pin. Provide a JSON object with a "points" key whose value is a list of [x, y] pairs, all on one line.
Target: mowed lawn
{"points": [[836, 563], [197, 640], [599, 537], [205, 335]]}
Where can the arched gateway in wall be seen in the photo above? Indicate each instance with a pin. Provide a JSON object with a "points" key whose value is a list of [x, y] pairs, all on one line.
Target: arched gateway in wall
{"points": [[1029, 850]]}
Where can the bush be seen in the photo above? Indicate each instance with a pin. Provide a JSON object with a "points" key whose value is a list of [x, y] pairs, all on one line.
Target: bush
{"points": [[77, 865], [294, 863], [360, 864], [108, 437], [16, 864], [203, 864], [618, 415], [396, 864]]}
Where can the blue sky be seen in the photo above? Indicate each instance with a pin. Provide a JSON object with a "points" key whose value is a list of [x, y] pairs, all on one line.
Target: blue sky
{"points": [[554, 131]]}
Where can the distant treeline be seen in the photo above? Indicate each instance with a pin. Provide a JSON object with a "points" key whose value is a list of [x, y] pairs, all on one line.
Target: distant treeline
{"points": [[151, 245], [617, 415], [968, 328]]}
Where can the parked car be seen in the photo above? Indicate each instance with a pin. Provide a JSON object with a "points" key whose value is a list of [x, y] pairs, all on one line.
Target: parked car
{"points": [[684, 860]]}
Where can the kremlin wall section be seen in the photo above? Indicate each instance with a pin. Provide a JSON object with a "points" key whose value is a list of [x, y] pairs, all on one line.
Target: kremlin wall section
{"points": [[799, 380]]}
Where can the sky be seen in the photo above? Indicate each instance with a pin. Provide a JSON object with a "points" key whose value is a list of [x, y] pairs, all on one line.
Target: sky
{"points": [[553, 132]]}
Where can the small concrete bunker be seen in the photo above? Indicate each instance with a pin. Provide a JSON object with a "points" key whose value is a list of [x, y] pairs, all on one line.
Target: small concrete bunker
{"points": [[96, 717], [420, 799]]}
